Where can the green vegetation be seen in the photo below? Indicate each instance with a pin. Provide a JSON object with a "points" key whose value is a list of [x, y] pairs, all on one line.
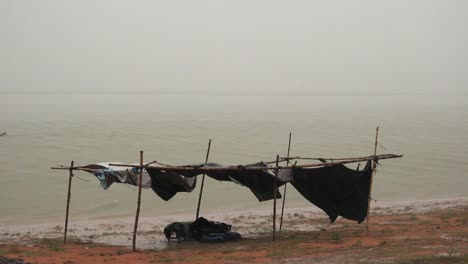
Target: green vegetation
{"points": [[383, 243], [336, 237], [357, 244], [448, 215], [14, 249], [437, 260], [53, 244]]}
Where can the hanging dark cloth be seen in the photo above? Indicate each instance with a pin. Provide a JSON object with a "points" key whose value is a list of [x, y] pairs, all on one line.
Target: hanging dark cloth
{"points": [[336, 189], [166, 184], [260, 182]]}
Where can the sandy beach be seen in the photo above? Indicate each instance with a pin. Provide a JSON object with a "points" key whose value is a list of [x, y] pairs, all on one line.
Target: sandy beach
{"points": [[399, 232]]}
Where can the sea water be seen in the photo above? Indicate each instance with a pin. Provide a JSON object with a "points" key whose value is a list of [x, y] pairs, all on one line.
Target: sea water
{"points": [[51, 129]]}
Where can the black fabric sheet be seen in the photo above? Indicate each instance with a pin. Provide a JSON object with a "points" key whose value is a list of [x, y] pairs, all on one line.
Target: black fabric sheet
{"points": [[260, 182], [337, 190], [166, 184]]}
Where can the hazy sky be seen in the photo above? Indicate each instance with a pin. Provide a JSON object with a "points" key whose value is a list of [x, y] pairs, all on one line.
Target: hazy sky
{"points": [[235, 47]]}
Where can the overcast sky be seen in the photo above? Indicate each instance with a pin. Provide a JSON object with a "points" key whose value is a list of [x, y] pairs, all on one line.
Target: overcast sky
{"points": [[235, 47]]}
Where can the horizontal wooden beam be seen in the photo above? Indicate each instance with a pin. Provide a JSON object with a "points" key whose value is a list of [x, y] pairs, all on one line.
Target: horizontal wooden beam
{"points": [[282, 159], [73, 168], [243, 167], [329, 162]]}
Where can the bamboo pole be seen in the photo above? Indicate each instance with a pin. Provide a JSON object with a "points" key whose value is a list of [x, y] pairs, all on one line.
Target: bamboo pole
{"points": [[372, 176], [68, 203], [275, 187], [241, 167], [284, 192], [138, 201], [203, 181]]}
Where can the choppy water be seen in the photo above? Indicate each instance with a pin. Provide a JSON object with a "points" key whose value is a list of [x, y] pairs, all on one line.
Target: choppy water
{"points": [[45, 130]]}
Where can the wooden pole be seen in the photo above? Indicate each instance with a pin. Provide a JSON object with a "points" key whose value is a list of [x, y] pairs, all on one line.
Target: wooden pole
{"points": [[68, 203], [372, 176], [203, 181], [284, 192], [275, 187], [138, 202]]}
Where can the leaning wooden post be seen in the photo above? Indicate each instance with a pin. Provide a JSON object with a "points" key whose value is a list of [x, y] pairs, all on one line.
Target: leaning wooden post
{"points": [[284, 192], [68, 202], [372, 176], [140, 179], [275, 188], [203, 181]]}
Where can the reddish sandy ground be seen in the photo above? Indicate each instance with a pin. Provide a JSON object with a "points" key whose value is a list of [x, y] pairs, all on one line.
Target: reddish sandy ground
{"points": [[438, 236]]}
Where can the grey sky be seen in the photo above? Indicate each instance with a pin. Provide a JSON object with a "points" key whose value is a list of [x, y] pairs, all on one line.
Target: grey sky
{"points": [[235, 47]]}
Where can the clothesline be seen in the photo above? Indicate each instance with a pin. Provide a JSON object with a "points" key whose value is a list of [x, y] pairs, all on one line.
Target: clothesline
{"points": [[328, 184], [243, 167], [325, 162]]}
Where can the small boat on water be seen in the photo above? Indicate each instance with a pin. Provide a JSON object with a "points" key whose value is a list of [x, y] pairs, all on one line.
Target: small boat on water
{"points": [[3, 134]]}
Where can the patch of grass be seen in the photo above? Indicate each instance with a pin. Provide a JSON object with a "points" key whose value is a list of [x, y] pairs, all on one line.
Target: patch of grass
{"points": [[413, 217], [77, 241], [121, 252], [447, 215], [29, 254], [228, 250], [436, 260], [274, 254], [383, 243], [53, 244], [336, 237], [463, 235], [357, 244], [462, 221], [425, 222], [168, 260], [14, 249]]}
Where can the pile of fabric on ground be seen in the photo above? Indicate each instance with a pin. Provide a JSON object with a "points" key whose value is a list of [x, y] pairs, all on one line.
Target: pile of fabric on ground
{"points": [[5, 260], [200, 230]]}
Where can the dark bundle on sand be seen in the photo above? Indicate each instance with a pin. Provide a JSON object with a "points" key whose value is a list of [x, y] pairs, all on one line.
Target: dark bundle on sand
{"points": [[201, 230], [5, 260]]}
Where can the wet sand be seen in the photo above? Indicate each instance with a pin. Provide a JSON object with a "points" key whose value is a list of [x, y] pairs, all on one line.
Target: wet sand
{"points": [[401, 232]]}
